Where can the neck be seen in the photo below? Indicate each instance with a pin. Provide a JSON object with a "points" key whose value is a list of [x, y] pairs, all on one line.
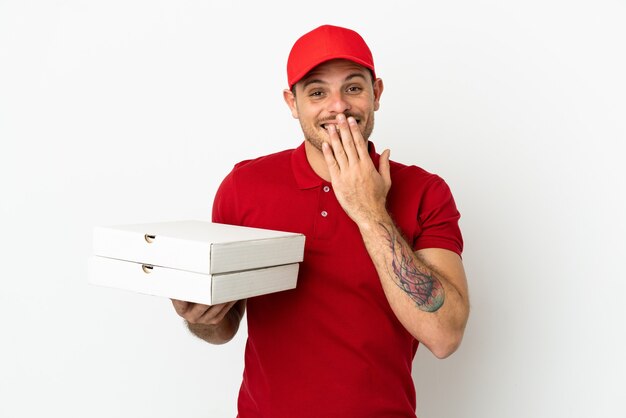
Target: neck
{"points": [[316, 160]]}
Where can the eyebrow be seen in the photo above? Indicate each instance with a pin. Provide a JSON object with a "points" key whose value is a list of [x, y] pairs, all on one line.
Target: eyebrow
{"points": [[317, 80]]}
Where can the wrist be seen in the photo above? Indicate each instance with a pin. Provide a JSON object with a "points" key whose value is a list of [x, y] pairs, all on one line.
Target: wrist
{"points": [[372, 221]]}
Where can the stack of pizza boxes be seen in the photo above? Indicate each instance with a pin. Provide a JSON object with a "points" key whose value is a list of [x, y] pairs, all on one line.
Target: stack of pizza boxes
{"points": [[195, 261]]}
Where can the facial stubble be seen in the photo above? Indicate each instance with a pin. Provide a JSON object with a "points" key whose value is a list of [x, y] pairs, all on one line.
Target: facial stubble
{"points": [[316, 138]]}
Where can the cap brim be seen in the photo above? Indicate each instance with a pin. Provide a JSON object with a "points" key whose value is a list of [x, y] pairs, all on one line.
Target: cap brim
{"points": [[300, 75]]}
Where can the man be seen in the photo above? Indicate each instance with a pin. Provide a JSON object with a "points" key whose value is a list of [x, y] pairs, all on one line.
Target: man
{"points": [[382, 268]]}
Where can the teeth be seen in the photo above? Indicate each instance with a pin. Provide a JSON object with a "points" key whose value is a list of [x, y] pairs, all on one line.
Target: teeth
{"points": [[325, 125]]}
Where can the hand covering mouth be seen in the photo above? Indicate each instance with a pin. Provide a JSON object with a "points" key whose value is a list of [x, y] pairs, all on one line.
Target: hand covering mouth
{"points": [[325, 124]]}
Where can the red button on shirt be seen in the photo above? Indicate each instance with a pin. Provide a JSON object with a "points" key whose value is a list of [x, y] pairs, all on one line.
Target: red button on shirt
{"points": [[332, 347]]}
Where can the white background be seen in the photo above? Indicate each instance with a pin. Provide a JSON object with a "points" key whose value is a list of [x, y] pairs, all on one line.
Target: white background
{"points": [[133, 111]]}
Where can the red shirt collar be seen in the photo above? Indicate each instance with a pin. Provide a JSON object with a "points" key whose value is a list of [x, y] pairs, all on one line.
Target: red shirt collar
{"points": [[305, 177]]}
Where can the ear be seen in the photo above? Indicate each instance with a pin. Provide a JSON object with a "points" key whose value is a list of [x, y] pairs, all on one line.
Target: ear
{"points": [[290, 99], [378, 91]]}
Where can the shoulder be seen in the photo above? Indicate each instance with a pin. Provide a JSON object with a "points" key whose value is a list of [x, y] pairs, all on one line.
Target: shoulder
{"points": [[414, 179], [264, 170], [267, 163], [424, 208], [245, 182]]}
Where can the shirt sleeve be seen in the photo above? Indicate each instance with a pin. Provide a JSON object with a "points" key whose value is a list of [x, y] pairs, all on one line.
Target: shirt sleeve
{"points": [[225, 202], [438, 220]]}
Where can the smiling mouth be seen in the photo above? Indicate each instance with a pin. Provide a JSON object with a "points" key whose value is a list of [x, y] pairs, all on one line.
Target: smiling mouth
{"points": [[326, 124]]}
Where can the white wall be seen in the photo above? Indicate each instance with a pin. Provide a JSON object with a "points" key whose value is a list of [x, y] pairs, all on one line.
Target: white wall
{"points": [[133, 111]]}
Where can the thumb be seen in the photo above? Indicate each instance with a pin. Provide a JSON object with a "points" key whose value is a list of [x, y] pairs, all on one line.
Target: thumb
{"points": [[180, 306], [383, 166]]}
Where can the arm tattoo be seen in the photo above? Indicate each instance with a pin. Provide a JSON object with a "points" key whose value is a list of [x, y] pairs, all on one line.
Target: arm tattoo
{"points": [[418, 282]]}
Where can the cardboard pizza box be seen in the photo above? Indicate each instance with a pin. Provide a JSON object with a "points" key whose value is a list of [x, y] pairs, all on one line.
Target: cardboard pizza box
{"points": [[197, 260]]}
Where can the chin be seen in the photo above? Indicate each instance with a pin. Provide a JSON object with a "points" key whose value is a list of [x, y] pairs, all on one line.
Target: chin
{"points": [[316, 142], [316, 138]]}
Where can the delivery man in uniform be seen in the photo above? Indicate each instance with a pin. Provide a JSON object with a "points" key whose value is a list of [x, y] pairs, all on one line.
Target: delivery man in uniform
{"points": [[382, 268]]}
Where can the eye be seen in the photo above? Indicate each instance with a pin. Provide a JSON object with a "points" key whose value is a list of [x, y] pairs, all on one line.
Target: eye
{"points": [[354, 89], [316, 93]]}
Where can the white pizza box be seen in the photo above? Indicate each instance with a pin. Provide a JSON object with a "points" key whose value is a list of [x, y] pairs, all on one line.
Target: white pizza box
{"points": [[198, 246], [208, 289]]}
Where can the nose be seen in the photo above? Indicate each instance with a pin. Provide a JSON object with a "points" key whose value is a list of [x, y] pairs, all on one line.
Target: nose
{"points": [[337, 103]]}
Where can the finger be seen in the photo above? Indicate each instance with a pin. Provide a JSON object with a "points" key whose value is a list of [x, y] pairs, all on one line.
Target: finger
{"points": [[180, 306], [346, 138], [338, 151], [360, 143], [331, 163], [216, 314], [383, 167], [197, 311]]}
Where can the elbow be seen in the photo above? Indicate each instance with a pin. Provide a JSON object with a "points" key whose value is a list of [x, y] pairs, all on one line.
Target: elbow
{"points": [[446, 346], [444, 351], [448, 339]]}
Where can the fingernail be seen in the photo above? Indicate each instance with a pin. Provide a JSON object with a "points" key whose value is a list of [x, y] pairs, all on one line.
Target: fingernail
{"points": [[351, 120], [341, 117]]}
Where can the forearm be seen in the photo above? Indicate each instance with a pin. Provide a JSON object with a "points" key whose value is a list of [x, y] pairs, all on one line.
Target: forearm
{"points": [[223, 331], [429, 305]]}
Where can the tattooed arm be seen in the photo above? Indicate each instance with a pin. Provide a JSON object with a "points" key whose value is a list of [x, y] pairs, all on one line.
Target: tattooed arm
{"points": [[419, 283], [427, 289]]}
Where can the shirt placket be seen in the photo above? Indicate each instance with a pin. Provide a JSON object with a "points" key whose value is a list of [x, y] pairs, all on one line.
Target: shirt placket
{"points": [[326, 217]]}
